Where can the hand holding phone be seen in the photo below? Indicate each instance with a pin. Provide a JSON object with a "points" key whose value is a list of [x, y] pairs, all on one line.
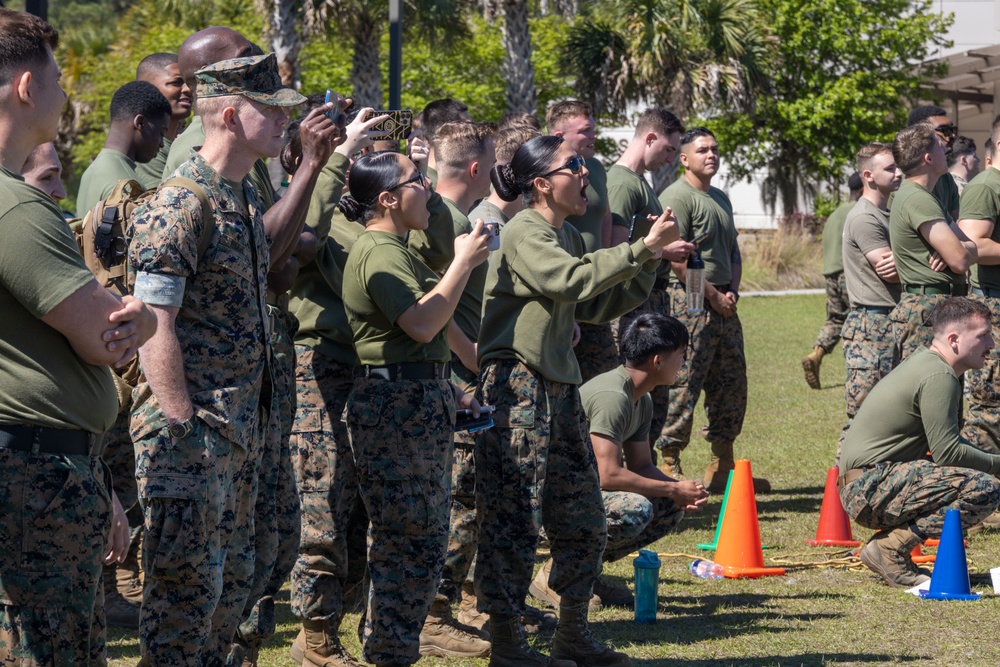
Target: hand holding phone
{"points": [[464, 421]]}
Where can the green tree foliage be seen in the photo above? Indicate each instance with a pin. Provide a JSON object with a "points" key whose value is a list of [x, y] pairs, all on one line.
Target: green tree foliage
{"points": [[844, 73]]}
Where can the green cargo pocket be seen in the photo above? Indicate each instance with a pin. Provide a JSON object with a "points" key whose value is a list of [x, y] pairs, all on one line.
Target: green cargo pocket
{"points": [[365, 410], [313, 455], [175, 485]]}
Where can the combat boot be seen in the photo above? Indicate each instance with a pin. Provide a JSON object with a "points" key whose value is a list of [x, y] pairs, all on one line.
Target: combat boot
{"points": [[887, 554], [539, 588], [536, 620], [717, 472], [510, 649], [573, 640], [671, 466], [318, 645], [442, 636], [810, 364], [614, 595]]}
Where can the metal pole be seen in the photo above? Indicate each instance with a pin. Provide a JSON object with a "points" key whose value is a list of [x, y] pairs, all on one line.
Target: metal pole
{"points": [[395, 53], [39, 8]]}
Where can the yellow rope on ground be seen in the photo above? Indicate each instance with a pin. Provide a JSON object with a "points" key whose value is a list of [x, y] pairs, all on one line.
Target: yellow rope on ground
{"points": [[832, 562]]}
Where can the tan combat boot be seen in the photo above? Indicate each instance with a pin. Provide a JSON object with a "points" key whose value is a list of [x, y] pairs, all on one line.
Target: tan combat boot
{"points": [[717, 472], [442, 636], [671, 466], [510, 649], [318, 645], [810, 364], [887, 554], [573, 640], [539, 588], [468, 611]]}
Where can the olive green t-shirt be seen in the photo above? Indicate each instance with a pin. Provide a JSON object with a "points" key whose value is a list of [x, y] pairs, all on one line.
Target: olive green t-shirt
{"points": [[833, 239], [629, 195], [866, 229], [946, 192], [611, 412], [489, 212], [540, 282], [381, 280], [913, 410], [42, 380], [708, 215], [591, 223], [981, 201], [469, 311], [151, 173], [101, 177], [912, 207]]}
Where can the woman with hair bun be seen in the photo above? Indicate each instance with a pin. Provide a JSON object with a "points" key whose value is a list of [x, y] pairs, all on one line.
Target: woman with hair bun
{"points": [[401, 411], [537, 466]]}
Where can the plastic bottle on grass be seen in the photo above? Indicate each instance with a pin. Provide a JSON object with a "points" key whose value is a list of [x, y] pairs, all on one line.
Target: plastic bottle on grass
{"points": [[706, 569], [647, 580]]}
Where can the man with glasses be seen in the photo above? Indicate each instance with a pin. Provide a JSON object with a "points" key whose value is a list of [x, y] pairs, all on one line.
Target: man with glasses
{"points": [[946, 192]]}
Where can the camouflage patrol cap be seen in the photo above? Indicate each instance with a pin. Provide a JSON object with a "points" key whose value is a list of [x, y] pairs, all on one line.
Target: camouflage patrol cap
{"points": [[255, 77]]}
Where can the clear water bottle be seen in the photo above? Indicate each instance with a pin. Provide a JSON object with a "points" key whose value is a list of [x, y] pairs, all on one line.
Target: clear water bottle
{"points": [[647, 583], [694, 280], [706, 569]]}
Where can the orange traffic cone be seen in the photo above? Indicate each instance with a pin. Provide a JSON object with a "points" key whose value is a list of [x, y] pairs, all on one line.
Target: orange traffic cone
{"points": [[918, 556], [834, 528], [739, 551]]}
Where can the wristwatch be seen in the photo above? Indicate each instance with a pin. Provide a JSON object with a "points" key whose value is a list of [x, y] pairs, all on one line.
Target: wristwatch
{"points": [[182, 429]]}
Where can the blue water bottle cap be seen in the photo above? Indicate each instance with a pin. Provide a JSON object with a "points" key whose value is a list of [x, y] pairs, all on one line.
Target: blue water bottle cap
{"points": [[647, 560]]}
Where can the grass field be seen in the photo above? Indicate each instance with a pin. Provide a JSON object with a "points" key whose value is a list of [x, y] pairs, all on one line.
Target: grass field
{"points": [[808, 617]]}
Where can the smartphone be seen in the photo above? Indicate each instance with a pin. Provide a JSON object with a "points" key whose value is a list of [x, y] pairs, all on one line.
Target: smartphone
{"points": [[464, 421], [336, 114], [701, 237], [492, 229], [395, 127]]}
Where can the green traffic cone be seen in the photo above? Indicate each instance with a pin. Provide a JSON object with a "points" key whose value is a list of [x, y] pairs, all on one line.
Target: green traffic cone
{"points": [[722, 512]]}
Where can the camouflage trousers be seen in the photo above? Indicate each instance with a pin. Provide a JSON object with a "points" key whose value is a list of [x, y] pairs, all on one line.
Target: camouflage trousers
{"points": [[276, 512], [55, 515], [333, 534], [596, 352], [635, 521], [715, 363], [119, 455], [197, 496], [911, 323], [917, 494], [463, 531], [837, 307], [535, 468], [401, 433], [658, 302], [868, 355], [982, 392]]}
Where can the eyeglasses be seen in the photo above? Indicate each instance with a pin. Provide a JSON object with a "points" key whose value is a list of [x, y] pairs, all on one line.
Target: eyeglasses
{"points": [[574, 165], [947, 129], [419, 178]]}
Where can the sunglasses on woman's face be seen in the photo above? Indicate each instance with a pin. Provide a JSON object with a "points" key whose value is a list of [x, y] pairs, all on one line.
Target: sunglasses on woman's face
{"points": [[419, 178], [574, 165]]}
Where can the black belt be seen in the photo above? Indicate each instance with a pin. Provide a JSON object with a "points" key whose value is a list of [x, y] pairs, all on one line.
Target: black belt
{"points": [[938, 289], [725, 289], [49, 440], [986, 291], [409, 370], [878, 310]]}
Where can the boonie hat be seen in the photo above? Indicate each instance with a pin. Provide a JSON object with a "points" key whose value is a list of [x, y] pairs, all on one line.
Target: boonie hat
{"points": [[255, 77]]}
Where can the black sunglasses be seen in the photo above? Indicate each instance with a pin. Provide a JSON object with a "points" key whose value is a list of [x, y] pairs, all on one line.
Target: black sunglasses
{"points": [[947, 129], [419, 178], [574, 165]]}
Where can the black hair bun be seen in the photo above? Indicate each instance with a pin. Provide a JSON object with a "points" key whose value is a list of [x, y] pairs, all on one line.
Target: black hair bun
{"points": [[352, 209], [504, 182]]}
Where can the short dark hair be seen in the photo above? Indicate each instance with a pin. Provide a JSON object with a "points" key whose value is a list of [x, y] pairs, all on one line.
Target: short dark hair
{"points": [[154, 62], [518, 119], [921, 114], [25, 41], [291, 150], [957, 309], [695, 133], [963, 146], [530, 161], [660, 120], [865, 154], [371, 175], [138, 97], [439, 112], [560, 111], [854, 183], [458, 144], [650, 334], [911, 144]]}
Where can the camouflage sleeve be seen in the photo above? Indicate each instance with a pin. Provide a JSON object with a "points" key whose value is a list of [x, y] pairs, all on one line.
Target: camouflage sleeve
{"points": [[165, 233]]}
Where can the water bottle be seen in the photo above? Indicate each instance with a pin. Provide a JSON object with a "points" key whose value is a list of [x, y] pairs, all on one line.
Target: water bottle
{"points": [[695, 282], [647, 582], [706, 569]]}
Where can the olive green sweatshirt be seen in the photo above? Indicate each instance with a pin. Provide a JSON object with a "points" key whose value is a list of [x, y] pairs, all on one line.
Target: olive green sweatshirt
{"points": [[542, 283]]}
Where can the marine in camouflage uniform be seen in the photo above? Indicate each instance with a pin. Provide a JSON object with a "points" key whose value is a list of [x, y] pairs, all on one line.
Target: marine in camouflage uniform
{"points": [[198, 491], [635, 521]]}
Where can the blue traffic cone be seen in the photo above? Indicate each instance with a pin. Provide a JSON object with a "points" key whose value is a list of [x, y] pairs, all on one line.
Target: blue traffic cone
{"points": [[950, 580]]}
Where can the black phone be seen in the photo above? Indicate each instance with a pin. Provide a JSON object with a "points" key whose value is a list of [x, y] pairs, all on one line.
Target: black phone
{"points": [[631, 228], [395, 127], [464, 421], [701, 237]]}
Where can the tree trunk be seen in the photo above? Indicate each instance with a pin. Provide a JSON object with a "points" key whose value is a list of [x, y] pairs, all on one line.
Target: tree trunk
{"points": [[366, 72], [519, 72], [286, 40]]}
